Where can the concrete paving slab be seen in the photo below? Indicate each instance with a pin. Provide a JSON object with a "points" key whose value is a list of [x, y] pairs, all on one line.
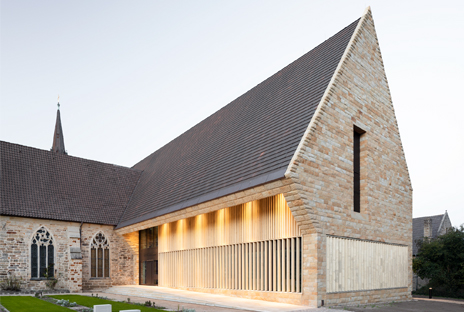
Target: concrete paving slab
{"points": [[210, 300]]}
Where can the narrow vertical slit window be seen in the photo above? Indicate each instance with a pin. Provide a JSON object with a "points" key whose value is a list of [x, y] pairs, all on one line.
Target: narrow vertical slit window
{"points": [[357, 133]]}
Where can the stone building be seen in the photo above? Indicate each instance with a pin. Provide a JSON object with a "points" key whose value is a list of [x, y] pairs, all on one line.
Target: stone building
{"points": [[297, 191], [427, 227]]}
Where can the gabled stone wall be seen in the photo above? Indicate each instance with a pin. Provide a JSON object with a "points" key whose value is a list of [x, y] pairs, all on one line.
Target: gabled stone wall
{"points": [[322, 170]]}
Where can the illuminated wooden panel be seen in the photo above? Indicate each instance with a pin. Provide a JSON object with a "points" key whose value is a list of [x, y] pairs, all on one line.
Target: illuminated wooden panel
{"points": [[354, 265], [254, 246], [208, 268], [259, 220]]}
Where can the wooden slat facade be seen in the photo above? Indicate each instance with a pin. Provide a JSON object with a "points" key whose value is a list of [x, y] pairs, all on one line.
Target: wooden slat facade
{"points": [[260, 220], [354, 265], [254, 246], [237, 267]]}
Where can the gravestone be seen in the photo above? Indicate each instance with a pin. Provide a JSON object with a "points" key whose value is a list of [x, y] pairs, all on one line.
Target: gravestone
{"points": [[102, 308]]}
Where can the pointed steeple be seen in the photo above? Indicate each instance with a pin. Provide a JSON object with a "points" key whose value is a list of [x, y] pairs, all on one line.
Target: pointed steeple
{"points": [[58, 138]]}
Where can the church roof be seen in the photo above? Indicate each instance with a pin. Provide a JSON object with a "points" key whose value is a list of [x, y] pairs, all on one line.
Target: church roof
{"points": [[43, 184], [418, 229], [249, 142]]}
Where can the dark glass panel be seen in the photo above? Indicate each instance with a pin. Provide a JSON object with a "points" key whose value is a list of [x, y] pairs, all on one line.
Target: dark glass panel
{"points": [[43, 260], [143, 273], [301, 261], [93, 263], [51, 261], [357, 171], [100, 262], [107, 263], [143, 239], [34, 260], [150, 238], [155, 236]]}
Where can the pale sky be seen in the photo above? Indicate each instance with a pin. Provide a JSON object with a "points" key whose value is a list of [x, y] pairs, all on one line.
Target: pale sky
{"points": [[133, 75]]}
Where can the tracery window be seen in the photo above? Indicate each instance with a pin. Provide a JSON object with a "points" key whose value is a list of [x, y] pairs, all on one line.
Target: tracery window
{"points": [[100, 256], [42, 254]]}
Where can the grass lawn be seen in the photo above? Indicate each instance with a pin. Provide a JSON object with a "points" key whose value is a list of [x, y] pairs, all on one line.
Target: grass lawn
{"points": [[27, 304], [116, 306]]}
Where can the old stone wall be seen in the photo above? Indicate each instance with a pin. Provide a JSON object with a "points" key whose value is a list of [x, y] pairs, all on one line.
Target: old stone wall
{"points": [[73, 273], [322, 171], [15, 251], [123, 258]]}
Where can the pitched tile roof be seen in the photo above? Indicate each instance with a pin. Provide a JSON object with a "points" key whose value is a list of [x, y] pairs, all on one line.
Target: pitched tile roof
{"points": [[418, 229], [43, 184], [248, 142]]}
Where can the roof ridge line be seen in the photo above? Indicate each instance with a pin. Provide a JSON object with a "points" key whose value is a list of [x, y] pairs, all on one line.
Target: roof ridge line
{"points": [[130, 198], [291, 166], [70, 156]]}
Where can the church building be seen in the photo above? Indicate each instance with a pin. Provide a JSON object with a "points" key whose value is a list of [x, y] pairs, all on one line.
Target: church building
{"points": [[297, 191]]}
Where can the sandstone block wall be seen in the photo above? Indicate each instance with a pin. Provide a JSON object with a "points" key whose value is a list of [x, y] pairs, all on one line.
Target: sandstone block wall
{"points": [[73, 274], [123, 258], [322, 171]]}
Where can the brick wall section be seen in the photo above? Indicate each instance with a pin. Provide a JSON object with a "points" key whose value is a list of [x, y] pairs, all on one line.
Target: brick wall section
{"points": [[74, 271], [73, 274], [323, 168], [74, 283]]}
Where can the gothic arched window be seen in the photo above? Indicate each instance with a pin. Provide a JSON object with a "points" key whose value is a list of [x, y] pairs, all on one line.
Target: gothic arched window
{"points": [[42, 254], [100, 256]]}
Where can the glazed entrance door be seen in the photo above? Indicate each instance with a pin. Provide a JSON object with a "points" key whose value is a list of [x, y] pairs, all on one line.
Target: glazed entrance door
{"points": [[148, 256], [150, 272]]}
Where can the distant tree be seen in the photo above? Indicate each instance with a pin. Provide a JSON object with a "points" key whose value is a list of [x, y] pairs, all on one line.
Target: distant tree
{"points": [[442, 260]]}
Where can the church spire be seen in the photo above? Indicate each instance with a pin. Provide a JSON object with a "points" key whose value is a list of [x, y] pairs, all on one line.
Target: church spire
{"points": [[58, 138]]}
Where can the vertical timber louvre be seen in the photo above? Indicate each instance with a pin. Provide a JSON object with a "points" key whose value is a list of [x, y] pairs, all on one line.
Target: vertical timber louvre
{"points": [[180, 266], [253, 246], [357, 265]]}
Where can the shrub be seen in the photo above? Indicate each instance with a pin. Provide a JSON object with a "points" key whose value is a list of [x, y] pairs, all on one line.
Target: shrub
{"points": [[64, 303], [11, 282], [442, 261]]}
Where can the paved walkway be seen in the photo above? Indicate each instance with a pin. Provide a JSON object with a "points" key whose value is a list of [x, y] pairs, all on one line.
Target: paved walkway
{"points": [[411, 306], [437, 299], [216, 302]]}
